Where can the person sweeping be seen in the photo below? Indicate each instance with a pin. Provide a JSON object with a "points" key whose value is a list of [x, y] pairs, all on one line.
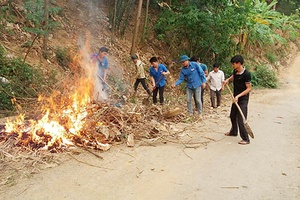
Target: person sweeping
{"points": [[241, 88]]}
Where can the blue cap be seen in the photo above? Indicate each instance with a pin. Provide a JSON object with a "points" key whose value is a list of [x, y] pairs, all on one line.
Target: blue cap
{"points": [[183, 58]]}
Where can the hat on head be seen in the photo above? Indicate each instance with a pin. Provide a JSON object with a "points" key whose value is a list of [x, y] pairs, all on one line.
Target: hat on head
{"points": [[134, 56], [183, 58], [103, 49]]}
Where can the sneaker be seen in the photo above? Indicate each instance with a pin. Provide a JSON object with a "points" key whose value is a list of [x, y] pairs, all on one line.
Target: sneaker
{"points": [[219, 107], [211, 108]]}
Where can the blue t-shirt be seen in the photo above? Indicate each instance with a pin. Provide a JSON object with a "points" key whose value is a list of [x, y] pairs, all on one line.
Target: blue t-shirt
{"points": [[203, 66], [102, 65], [194, 76], [160, 79]]}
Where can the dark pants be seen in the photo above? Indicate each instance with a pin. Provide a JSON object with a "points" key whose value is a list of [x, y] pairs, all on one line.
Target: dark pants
{"points": [[213, 95], [143, 82], [237, 120], [160, 90]]}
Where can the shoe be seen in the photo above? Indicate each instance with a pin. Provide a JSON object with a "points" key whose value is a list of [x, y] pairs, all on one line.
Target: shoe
{"points": [[228, 134], [211, 108], [243, 142], [219, 107]]}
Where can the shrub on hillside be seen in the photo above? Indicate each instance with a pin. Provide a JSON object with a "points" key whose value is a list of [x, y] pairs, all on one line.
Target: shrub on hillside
{"points": [[264, 77], [24, 81]]}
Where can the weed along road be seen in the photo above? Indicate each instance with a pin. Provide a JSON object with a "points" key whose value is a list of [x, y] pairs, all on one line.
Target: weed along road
{"points": [[267, 168]]}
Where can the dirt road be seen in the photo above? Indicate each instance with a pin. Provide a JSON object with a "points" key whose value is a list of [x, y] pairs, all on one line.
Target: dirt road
{"points": [[267, 169]]}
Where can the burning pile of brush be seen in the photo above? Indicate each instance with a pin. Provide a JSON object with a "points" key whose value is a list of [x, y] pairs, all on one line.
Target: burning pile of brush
{"points": [[78, 122]]}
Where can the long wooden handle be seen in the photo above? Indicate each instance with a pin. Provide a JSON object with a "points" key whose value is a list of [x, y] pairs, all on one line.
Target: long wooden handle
{"points": [[106, 83], [237, 105]]}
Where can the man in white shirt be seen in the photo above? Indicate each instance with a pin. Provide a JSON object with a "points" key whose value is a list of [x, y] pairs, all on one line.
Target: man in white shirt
{"points": [[216, 79]]}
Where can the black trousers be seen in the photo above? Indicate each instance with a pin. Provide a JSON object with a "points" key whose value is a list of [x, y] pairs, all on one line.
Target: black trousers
{"points": [[160, 90], [143, 82], [237, 120]]}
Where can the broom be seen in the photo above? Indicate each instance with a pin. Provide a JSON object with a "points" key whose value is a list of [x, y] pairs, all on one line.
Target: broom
{"points": [[247, 127]]}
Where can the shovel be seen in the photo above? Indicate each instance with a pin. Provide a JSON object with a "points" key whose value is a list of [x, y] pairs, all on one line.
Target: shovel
{"points": [[146, 101], [247, 127]]}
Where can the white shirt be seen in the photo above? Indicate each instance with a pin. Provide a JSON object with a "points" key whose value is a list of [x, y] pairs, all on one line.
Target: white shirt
{"points": [[216, 80]]}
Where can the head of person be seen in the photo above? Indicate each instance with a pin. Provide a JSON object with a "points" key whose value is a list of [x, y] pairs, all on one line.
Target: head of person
{"points": [[195, 59], [237, 61], [216, 67], [134, 58], [154, 61], [184, 60], [103, 52]]}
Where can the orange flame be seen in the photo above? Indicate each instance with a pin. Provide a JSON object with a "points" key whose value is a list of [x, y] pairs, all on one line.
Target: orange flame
{"points": [[64, 115]]}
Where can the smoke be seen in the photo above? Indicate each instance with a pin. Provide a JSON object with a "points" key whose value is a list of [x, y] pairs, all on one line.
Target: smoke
{"points": [[90, 13]]}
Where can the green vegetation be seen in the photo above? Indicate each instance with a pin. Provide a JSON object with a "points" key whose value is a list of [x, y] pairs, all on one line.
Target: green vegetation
{"points": [[213, 30], [271, 57], [216, 30], [38, 21], [24, 81], [264, 77]]}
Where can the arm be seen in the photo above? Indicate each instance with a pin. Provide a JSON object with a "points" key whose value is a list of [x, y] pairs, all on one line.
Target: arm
{"points": [[165, 71], [222, 79], [104, 75], [228, 80], [180, 79], [152, 80], [105, 60]]}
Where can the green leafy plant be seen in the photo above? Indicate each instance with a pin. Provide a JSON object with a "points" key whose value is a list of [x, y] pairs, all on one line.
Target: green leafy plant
{"points": [[271, 57], [38, 21], [216, 30], [265, 77], [25, 81]]}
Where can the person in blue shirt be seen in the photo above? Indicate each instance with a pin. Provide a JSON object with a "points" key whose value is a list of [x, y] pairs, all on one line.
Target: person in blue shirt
{"points": [[101, 62], [205, 70], [195, 79], [158, 72]]}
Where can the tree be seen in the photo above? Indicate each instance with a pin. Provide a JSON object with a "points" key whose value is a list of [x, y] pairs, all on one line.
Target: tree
{"points": [[136, 27], [39, 24]]}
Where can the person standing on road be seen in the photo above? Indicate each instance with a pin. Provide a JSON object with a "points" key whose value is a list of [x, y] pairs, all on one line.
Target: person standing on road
{"points": [[195, 80], [242, 87], [216, 78], [140, 74], [158, 72], [205, 70]]}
